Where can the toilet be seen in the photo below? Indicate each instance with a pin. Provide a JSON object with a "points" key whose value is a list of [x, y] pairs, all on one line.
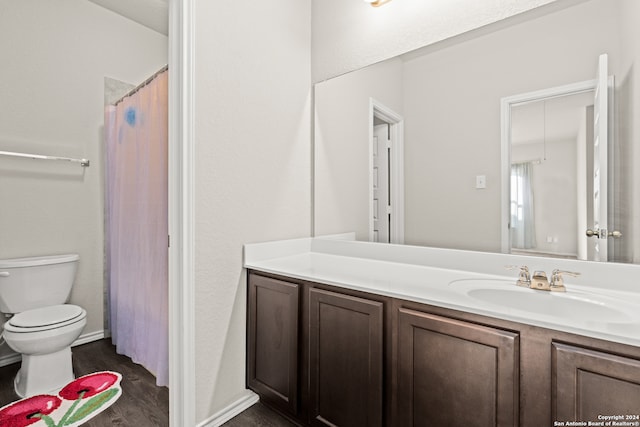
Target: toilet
{"points": [[38, 323]]}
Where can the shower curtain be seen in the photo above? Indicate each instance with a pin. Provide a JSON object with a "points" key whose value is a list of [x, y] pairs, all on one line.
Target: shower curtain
{"points": [[137, 225]]}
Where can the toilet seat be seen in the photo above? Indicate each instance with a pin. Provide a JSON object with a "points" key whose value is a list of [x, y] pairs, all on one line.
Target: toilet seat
{"points": [[45, 318]]}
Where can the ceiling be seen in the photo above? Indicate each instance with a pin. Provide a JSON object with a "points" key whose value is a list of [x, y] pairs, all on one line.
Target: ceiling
{"points": [[153, 14]]}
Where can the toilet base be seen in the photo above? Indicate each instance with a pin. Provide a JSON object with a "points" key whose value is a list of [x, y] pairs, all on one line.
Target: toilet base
{"points": [[44, 373]]}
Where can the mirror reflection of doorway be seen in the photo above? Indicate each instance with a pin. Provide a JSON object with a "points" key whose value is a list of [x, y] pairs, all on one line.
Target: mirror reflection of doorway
{"points": [[551, 162], [555, 186], [386, 176], [381, 189]]}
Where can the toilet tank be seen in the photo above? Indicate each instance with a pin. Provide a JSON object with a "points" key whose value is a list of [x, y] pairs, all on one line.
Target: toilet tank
{"points": [[34, 282]]}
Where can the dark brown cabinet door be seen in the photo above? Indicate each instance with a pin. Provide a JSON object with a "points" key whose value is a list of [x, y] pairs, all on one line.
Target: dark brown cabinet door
{"points": [[273, 341], [345, 360], [588, 383], [452, 372]]}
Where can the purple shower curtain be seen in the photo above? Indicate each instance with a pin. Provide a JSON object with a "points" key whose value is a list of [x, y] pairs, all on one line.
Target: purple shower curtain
{"points": [[137, 226]]}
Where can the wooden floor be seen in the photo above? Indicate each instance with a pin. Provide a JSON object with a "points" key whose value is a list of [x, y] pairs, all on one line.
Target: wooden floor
{"points": [[142, 403], [258, 416]]}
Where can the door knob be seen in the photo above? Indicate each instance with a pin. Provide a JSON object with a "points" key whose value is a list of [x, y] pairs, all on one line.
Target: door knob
{"points": [[603, 234], [591, 233]]}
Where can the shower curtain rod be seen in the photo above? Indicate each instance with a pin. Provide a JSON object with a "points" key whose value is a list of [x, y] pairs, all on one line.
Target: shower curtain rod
{"points": [[537, 161], [143, 84]]}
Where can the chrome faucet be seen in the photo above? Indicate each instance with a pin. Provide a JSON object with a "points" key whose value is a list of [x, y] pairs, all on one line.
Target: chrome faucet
{"points": [[539, 280]]}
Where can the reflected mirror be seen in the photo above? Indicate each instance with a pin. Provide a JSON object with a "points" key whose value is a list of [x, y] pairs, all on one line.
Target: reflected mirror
{"points": [[546, 139], [446, 166]]}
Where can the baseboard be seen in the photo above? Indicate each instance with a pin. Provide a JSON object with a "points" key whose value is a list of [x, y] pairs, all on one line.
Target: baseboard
{"points": [[87, 338], [245, 402], [9, 359], [83, 339]]}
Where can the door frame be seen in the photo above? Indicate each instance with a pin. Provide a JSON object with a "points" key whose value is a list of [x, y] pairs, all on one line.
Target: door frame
{"points": [[396, 130], [181, 192], [505, 141]]}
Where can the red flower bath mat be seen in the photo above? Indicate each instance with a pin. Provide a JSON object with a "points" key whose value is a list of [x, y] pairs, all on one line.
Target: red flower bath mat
{"points": [[77, 402]]}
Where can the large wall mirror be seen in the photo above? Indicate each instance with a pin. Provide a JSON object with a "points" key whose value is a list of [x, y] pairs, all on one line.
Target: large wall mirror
{"points": [[445, 100]]}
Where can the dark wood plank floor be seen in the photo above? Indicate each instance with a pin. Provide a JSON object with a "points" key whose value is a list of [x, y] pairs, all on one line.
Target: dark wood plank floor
{"points": [[258, 416], [142, 403]]}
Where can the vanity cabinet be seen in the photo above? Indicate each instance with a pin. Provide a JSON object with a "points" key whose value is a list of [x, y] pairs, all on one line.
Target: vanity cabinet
{"points": [[330, 356], [587, 383], [316, 354], [345, 359], [272, 363], [452, 372]]}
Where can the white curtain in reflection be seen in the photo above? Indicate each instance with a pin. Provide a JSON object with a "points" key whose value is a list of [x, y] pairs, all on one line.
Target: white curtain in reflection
{"points": [[137, 227], [523, 233]]}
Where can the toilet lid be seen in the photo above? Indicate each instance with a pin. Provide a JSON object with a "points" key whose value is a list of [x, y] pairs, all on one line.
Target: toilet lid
{"points": [[53, 315]]}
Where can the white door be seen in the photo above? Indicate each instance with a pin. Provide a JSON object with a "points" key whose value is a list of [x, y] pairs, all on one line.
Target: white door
{"points": [[600, 148], [381, 187]]}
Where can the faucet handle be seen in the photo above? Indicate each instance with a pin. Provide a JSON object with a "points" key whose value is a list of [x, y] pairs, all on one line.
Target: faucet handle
{"points": [[557, 281], [524, 278]]}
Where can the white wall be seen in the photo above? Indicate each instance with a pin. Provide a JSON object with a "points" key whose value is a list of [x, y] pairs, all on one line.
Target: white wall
{"points": [[627, 158], [252, 142], [55, 56], [349, 35], [341, 192]]}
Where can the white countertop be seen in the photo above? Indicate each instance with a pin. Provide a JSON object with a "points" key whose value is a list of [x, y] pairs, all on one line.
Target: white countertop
{"points": [[404, 272]]}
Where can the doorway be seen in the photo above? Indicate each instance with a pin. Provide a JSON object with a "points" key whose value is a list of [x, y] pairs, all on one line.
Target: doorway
{"points": [[386, 174], [537, 219]]}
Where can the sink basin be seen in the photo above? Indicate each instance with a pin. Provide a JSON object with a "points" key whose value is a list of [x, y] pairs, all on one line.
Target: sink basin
{"points": [[567, 305]]}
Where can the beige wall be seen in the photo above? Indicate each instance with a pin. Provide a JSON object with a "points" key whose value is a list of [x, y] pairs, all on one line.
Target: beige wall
{"points": [[349, 35], [252, 143], [341, 191], [55, 56]]}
